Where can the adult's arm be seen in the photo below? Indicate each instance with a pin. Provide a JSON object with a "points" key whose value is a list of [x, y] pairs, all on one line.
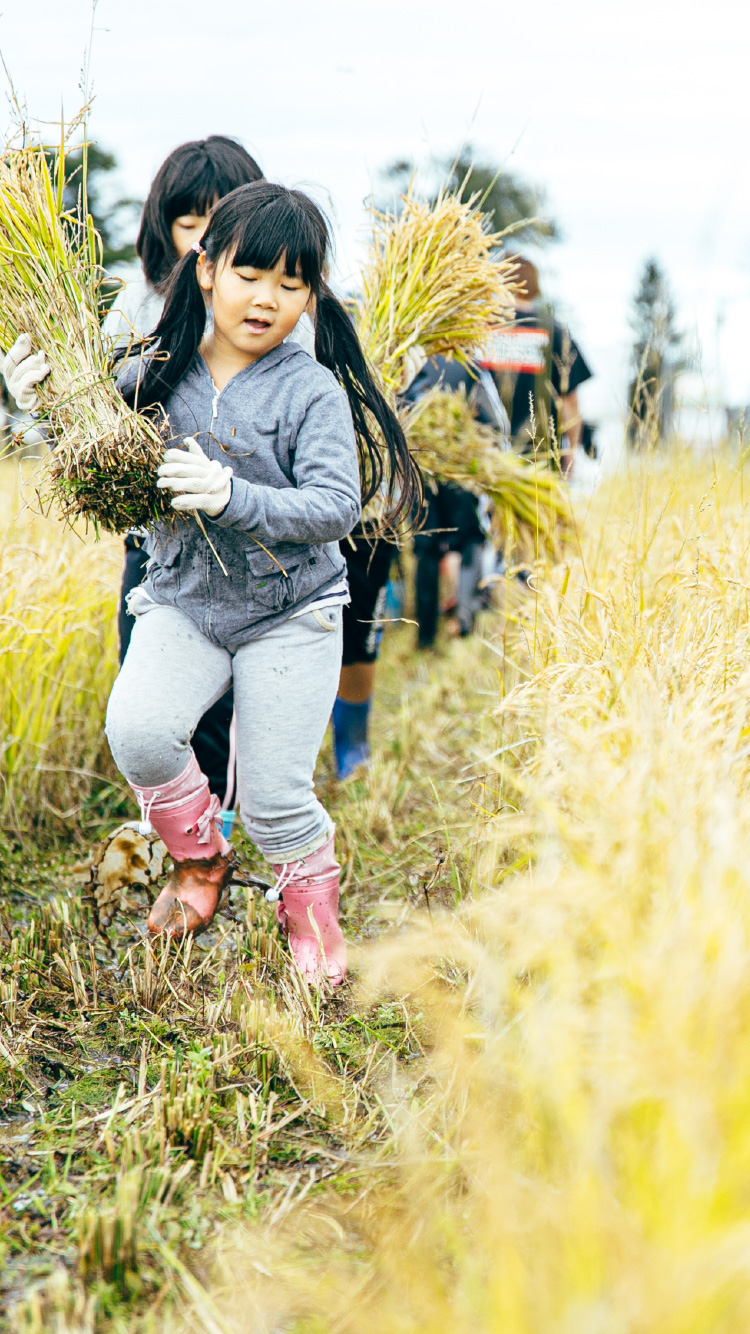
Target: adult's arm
{"points": [[571, 426]]}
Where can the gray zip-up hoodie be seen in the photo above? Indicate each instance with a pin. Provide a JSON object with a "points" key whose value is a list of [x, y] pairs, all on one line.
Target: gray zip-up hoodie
{"points": [[284, 426]]}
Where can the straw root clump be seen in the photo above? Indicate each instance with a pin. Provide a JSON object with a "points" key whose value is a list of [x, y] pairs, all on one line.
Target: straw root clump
{"points": [[105, 456], [531, 511]]}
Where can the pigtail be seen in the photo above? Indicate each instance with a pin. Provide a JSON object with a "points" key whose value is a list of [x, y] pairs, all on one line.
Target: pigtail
{"points": [[384, 453], [169, 352]]}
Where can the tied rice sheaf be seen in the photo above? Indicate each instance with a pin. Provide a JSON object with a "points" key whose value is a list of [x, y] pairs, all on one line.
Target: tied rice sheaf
{"points": [[103, 461], [435, 278]]}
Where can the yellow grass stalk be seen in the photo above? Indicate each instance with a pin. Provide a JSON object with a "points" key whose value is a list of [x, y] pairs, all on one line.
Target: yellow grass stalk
{"points": [[430, 278], [571, 1152], [531, 508], [105, 456], [58, 659]]}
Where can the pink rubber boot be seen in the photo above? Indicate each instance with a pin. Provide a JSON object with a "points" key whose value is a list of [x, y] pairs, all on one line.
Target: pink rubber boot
{"points": [[183, 813], [309, 888]]}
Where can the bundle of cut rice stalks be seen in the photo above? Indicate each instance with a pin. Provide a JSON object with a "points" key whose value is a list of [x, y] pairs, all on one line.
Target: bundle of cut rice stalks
{"points": [[104, 461], [531, 512], [431, 279]]}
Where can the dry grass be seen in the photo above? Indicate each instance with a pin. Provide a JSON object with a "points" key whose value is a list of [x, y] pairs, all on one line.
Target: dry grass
{"points": [[572, 1153], [58, 659], [531, 1114]]}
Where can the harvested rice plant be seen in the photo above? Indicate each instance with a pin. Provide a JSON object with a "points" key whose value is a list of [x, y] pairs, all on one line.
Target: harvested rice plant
{"points": [[527, 1108], [53, 285]]}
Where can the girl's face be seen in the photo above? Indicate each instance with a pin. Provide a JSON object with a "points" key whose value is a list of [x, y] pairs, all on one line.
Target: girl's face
{"points": [[254, 309], [186, 229]]}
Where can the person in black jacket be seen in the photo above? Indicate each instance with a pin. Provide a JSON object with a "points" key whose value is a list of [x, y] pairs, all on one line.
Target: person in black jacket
{"points": [[537, 368], [451, 520]]}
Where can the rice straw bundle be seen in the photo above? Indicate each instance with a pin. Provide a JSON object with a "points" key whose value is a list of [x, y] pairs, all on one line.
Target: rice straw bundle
{"points": [[531, 510], [430, 279], [105, 456]]}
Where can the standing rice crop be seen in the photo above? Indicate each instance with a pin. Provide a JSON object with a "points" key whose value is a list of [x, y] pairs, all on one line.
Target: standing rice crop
{"points": [[58, 659], [570, 1152], [105, 456]]}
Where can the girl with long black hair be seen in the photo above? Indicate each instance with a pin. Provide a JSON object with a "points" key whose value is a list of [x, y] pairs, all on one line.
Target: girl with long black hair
{"points": [[188, 183], [249, 589]]}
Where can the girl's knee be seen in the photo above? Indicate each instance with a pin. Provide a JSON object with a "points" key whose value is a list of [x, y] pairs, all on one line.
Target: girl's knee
{"points": [[145, 751]]}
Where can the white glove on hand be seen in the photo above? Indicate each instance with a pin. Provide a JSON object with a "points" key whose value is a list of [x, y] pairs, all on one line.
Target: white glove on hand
{"points": [[201, 483], [23, 371], [414, 361]]}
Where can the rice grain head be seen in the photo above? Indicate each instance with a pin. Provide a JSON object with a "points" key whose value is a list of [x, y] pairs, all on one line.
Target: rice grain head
{"points": [[532, 516], [431, 278]]}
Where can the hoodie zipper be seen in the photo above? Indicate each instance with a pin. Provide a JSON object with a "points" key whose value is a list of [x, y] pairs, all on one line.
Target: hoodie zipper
{"points": [[214, 415]]}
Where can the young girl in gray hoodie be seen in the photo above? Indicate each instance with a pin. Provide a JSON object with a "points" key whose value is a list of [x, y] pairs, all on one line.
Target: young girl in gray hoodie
{"points": [[248, 583]]}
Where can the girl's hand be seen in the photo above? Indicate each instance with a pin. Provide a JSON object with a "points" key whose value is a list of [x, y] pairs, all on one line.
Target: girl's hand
{"points": [[23, 371], [201, 483]]}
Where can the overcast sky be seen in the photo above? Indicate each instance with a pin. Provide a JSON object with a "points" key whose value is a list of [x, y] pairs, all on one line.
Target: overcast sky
{"points": [[633, 116]]}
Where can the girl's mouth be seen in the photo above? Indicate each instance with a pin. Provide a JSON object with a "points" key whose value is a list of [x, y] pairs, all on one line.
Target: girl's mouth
{"points": [[257, 326]]}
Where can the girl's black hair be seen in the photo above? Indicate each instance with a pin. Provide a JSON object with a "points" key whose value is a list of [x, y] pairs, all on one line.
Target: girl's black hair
{"points": [[255, 226], [191, 180]]}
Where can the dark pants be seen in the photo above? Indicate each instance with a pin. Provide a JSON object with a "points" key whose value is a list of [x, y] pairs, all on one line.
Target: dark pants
{"points": [[450, 524], [211, 736], [368, 565]]}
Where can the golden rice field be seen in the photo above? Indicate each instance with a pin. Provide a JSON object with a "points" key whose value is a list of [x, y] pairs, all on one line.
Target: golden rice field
{"points": [[58, 655], [529, 1112]]}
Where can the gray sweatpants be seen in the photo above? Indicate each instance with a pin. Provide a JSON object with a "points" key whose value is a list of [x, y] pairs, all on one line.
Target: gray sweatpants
{"points": [[284, 687]]}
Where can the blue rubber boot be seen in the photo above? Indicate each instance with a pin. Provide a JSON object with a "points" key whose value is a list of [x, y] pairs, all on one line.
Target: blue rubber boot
{"points": [[350, 744], [226, 823]]}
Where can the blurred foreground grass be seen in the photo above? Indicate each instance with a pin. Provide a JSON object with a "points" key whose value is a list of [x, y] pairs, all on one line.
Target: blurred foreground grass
{"points": [[530, 1110], [58, 658]]}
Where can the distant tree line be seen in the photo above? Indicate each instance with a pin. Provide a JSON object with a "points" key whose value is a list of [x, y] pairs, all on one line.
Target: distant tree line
{"points": [[506, 199], [116, 219]]}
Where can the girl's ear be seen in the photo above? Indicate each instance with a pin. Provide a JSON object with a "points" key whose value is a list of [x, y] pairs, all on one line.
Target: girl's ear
{"points": [[204, 271]]}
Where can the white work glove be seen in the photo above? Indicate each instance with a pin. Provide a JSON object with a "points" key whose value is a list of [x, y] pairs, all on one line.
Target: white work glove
{"points": [[23, 371], [201, 483], [414, 361]]}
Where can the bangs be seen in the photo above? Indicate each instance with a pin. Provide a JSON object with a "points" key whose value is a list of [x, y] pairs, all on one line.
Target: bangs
{"points": [[196, 192], [204, 174], [190, 180], [281, 226]]}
